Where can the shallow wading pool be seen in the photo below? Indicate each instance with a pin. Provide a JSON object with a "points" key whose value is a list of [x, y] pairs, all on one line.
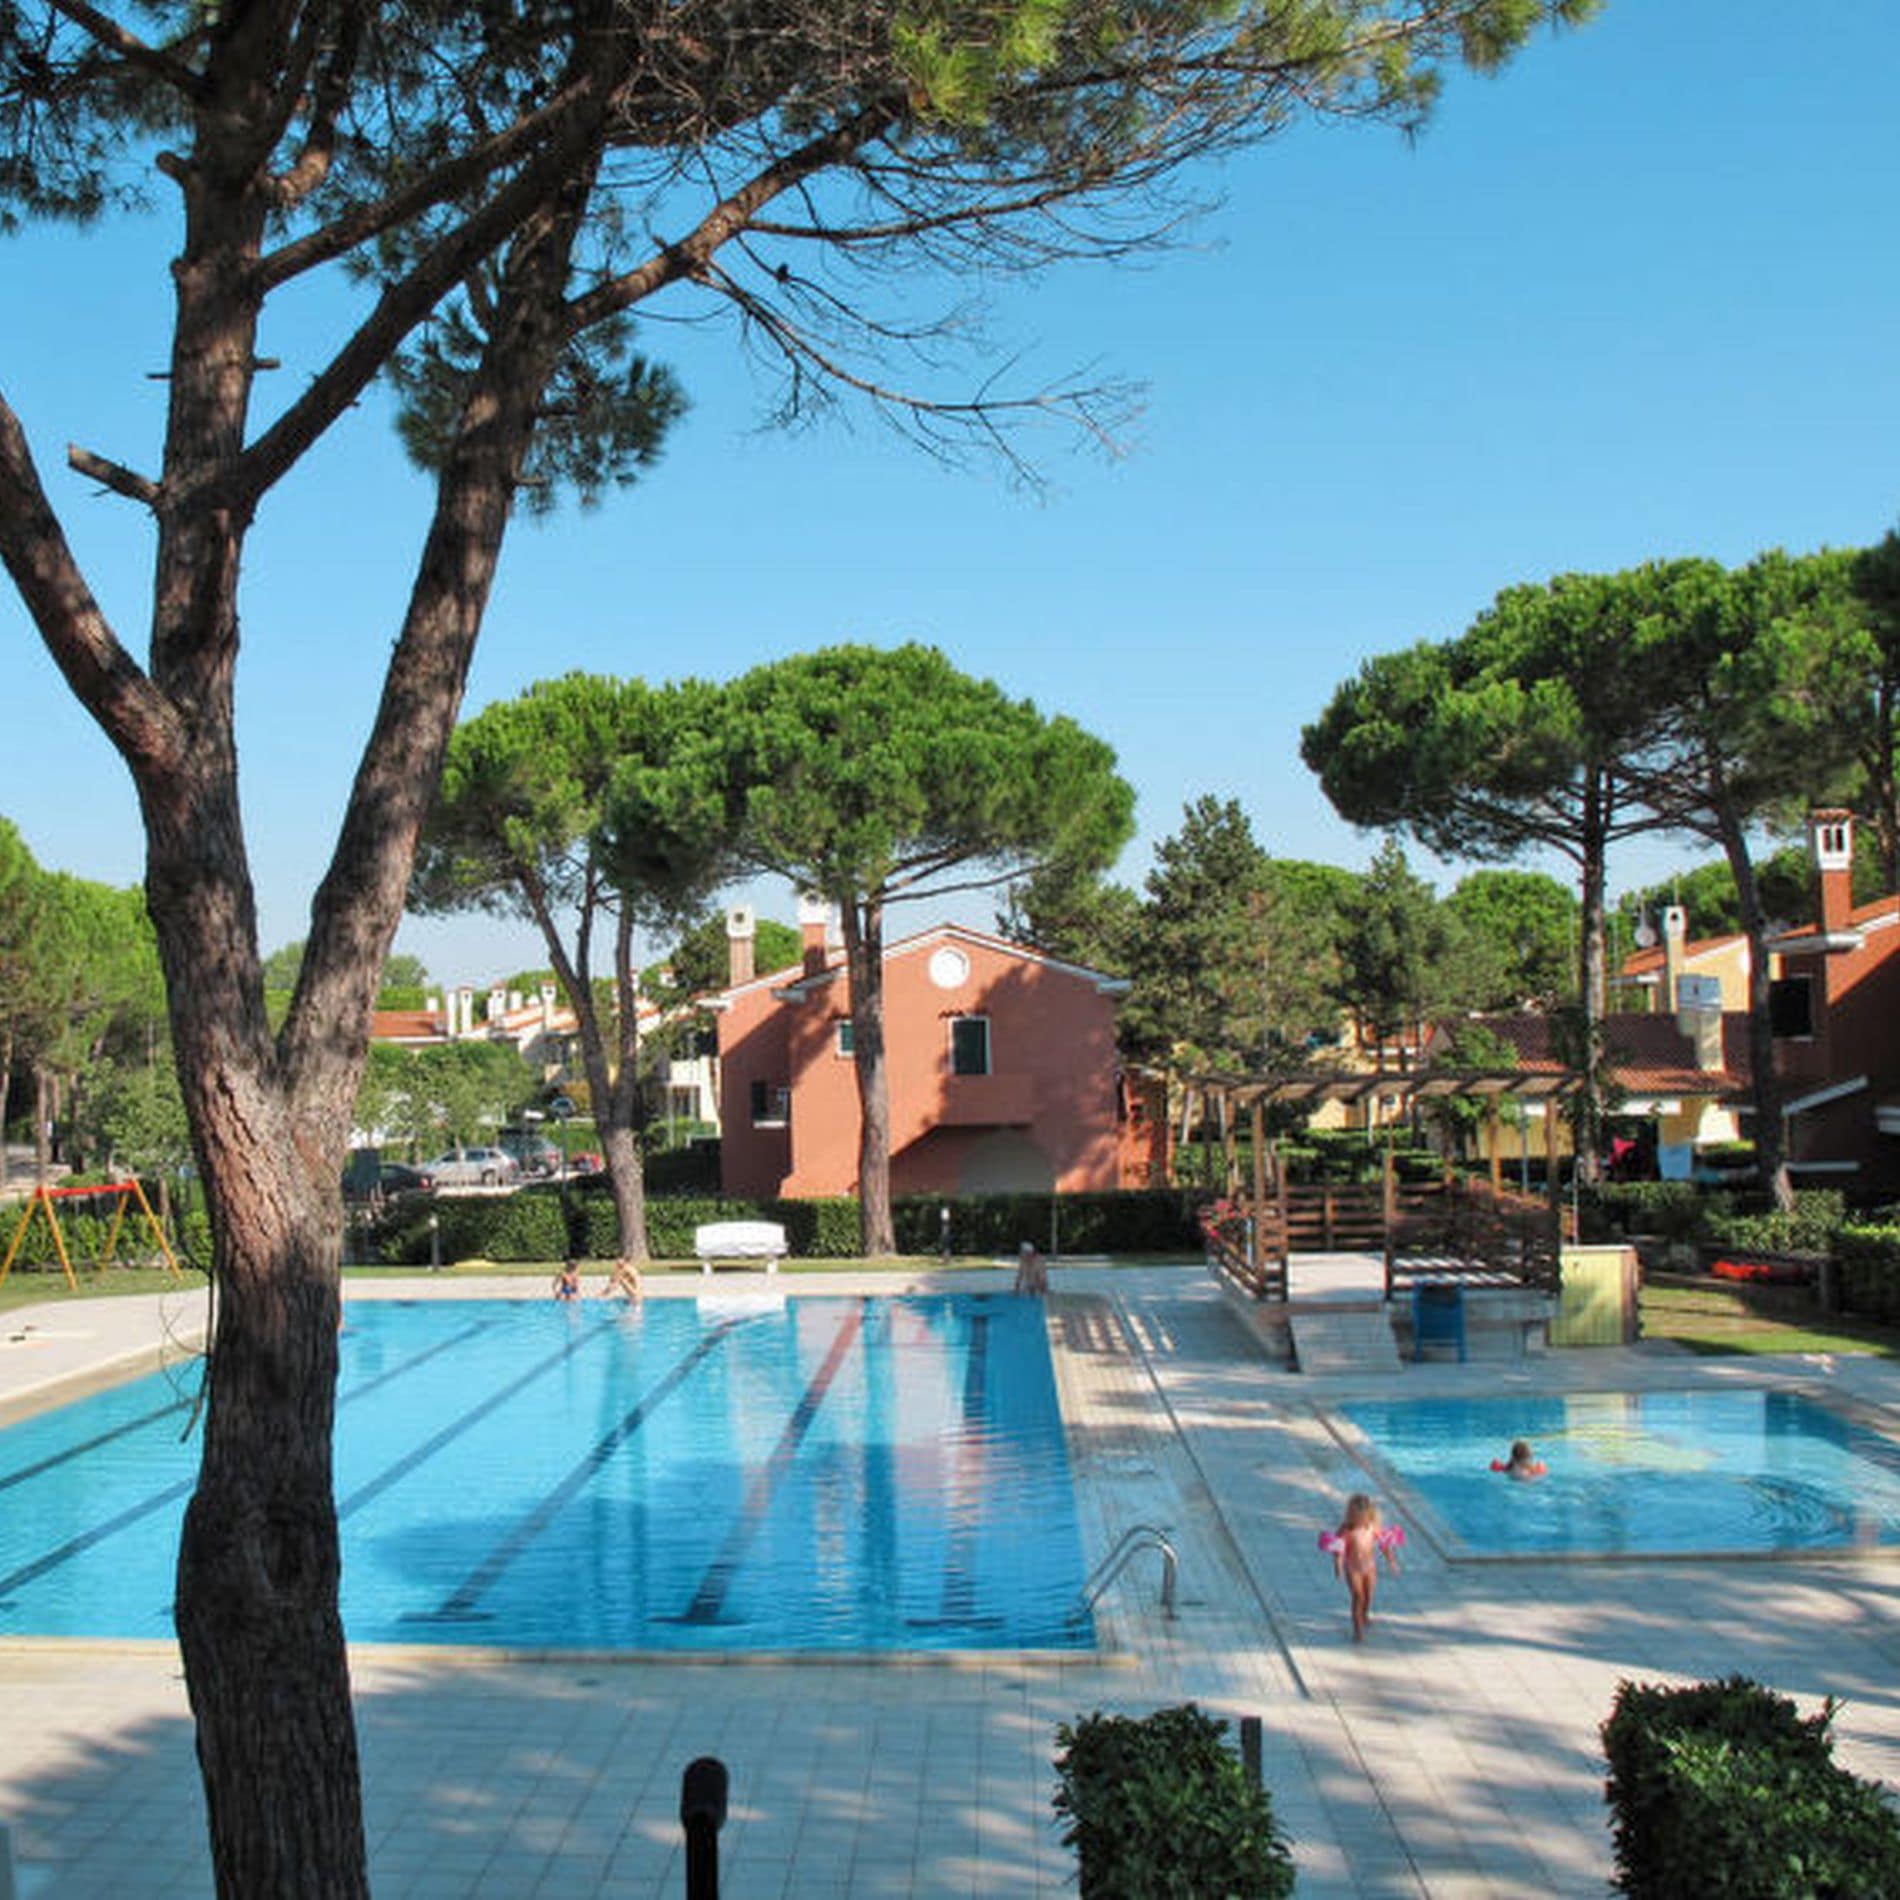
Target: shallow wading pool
{"points": [[1735, 1472], [740, 1473]]}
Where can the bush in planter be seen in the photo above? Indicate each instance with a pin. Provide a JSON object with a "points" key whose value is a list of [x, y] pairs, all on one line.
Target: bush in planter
{"points": [[1161, 1809], [1723, 1789]]}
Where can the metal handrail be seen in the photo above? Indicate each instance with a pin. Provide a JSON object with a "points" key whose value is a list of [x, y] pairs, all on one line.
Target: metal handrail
{"points": [[1132, 1543]]}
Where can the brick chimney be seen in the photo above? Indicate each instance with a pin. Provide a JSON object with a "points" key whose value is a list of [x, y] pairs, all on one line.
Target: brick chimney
{"points": [[814, 925], [1675, 934], [741, 928], [1831, 841]]}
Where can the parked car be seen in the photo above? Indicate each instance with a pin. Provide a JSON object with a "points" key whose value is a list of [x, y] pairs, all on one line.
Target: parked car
{"points": [[397, 1177], [473, 1167], [586, 1163], [535, 1155]]}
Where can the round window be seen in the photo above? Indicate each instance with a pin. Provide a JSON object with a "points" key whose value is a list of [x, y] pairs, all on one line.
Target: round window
{"points": [[949, 969]]}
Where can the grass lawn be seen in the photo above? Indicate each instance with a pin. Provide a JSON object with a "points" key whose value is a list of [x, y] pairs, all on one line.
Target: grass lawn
{"points": [[1709, 1319], [29, 1286]]}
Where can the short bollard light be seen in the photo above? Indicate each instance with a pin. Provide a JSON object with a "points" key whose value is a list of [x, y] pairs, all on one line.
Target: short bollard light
{"points": [[943, 1232], [435, 1243], [702, 1815]]}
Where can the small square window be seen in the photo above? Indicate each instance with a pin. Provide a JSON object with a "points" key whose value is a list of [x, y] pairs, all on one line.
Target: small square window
{"points": [[846, 1045], [969, 1045], [771, 1105]]}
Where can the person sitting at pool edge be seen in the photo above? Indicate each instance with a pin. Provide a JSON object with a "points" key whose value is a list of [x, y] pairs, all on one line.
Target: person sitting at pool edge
{"points": [[567, 1283], [624, 1280], [1522, 1463]]}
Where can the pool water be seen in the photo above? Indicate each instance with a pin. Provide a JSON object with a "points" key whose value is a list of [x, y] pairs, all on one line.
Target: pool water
{"points": [[1639, 1474], [738, 1473]]}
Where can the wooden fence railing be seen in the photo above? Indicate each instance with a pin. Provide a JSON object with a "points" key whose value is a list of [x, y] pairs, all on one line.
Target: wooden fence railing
{"points": [[1475, 1234]]}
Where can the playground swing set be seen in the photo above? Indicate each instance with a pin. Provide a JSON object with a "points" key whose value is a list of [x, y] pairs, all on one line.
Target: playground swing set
{"points": [[123, 1193]]}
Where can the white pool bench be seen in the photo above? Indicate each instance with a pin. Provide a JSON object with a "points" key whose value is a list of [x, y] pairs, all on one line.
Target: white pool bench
{"points": [[739, 1241]]}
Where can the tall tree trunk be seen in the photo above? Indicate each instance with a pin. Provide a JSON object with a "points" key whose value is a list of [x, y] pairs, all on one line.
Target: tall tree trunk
{"points": [[864, 962], [1592, 978], [1764, 1085], [613, 1084], [42, 1125]]}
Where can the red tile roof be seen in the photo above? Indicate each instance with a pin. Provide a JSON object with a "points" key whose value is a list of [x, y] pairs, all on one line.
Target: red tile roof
{"points": [[1647, 1054]]}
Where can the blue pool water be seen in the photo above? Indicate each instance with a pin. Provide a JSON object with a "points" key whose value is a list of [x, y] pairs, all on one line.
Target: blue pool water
{"points": [[1640, 1474], [735, 1474]]}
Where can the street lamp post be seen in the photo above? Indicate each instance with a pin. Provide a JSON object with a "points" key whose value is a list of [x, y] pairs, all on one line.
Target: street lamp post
{"points": [[561, 1108]]}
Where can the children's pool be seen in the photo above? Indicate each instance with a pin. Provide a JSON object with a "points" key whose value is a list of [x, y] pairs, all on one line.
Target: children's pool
{"points": [[1638, 1474], [737, 1473]]}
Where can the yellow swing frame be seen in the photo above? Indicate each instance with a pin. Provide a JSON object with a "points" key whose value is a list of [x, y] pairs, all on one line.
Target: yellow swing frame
{"points": [[44, 1197]]}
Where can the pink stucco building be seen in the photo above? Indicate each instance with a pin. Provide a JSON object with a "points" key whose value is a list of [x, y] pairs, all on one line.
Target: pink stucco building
{"points": [[1002, 1065]]}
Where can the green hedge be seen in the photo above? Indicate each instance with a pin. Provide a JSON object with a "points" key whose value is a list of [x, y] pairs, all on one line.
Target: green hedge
{"points": [[1724, 1789], [1161, 1809], [1808, 1228], [85, 1235], [1868, 1278], [1614, 1210], [528, 1225]]}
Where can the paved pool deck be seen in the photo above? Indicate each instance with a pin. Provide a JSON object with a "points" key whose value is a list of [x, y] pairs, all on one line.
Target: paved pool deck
{"points": [[1453, 1754]]}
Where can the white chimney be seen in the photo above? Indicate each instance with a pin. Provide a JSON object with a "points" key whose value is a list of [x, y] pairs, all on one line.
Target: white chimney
{"points": [[1675, 933], [741, 928]]}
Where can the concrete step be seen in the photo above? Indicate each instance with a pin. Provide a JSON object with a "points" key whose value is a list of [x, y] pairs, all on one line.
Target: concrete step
{"points": [[1334, 1342]]}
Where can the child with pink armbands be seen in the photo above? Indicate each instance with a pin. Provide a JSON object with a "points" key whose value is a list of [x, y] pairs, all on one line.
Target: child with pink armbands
{"points": [[1356, 1547]]}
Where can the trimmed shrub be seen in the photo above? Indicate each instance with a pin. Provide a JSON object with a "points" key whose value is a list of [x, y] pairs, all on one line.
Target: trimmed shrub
{"points": [[1868, 1259], [1725, 1789], [527, 1225], [1615, 1210], [692, 1169], [1808, 1228], [1161, 1809]]}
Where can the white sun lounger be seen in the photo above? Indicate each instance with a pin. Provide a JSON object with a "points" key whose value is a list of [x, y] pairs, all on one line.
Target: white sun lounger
{"points": [[741, 1241]]}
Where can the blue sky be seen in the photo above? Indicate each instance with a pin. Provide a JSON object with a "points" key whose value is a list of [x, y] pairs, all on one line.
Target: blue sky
{"points": [[1635, 297]]}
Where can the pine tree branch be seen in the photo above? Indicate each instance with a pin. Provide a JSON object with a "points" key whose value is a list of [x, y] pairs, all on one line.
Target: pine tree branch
{"points": [[139, 720]]}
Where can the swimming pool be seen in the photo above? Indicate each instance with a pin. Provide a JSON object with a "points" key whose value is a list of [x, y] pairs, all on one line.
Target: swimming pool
{"points": [[1734, 1472], [737, 1473]]}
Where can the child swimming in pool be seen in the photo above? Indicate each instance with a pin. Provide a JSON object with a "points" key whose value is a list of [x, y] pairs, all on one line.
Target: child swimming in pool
{"points": [[1522, 1463], [1357, 1546]]}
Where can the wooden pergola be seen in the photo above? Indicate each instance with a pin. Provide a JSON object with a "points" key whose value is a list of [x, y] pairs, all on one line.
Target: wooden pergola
{"points": [[1503, 1235]]}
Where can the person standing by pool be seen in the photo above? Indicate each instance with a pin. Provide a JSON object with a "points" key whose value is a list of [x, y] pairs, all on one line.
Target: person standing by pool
{"points": [[1032, 1274], [1357, 1546]]}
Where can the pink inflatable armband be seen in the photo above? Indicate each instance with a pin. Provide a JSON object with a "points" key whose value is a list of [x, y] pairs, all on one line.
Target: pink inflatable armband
{"points": [[1388, 1537]]}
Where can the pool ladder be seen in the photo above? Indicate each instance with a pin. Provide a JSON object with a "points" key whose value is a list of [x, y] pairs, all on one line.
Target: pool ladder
{"points": [[1133, 1542]]}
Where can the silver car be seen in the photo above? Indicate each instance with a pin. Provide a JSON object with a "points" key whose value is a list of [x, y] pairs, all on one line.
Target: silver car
{"points": [[472, 1167]]}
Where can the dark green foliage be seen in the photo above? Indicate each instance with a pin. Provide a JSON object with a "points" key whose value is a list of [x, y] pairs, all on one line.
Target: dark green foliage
{"points": [[1868, 1263], [1807, 1228], [693, 1169], [1723, 1791], [1615, 1210], [1344, 1155], [528, 1225], [1161, 1809]]}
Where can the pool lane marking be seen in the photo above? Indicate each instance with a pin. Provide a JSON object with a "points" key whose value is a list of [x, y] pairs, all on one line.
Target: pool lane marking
{"points": [[92, 1444], [392, 1474], [965, 1527], [710, 1598], [98, 1533], [461, 1602]]}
